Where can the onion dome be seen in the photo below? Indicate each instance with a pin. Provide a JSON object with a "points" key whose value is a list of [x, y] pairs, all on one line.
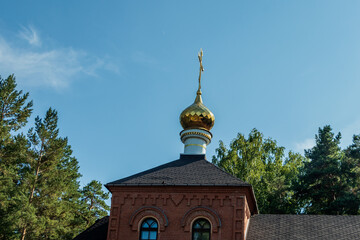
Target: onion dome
{"points": [[197, 115]]}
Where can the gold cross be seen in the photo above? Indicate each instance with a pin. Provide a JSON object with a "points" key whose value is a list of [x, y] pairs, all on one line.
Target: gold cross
{"points": [[200, 55]]}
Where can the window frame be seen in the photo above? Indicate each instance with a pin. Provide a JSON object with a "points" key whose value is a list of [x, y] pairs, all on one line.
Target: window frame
{"points": [[149, 229], [201, 230]]}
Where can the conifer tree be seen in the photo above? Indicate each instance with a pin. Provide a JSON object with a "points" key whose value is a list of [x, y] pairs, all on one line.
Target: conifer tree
{"points": [[15, 110], [40, 196], [93, 204], [350, 168], [56, 207], [322, 186], [50, 182]]}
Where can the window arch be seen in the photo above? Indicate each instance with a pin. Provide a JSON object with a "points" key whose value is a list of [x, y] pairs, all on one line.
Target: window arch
{"points": [[201, 229], [149, 229]]}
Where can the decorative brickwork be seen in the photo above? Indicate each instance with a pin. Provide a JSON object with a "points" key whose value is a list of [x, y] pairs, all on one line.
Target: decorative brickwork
{"points": [[176, 208], [144, 212], [201, 212]]}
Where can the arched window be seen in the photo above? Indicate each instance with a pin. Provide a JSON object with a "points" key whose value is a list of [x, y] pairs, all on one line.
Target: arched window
{"points": [[149, 229], [201, 229]]}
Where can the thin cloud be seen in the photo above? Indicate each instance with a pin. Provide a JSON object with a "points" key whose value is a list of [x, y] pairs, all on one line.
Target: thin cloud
{"points": [[55, 68], [306, 144], [30, 35], [348, 132], [143, 58]]}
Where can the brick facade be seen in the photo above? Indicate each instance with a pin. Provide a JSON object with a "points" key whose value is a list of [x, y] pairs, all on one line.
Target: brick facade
{"points": [[228, 209]]}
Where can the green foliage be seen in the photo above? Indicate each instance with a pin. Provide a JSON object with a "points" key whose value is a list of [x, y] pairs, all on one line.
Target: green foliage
{"points": [[51, 180], [94, 206], [14, 112], [328, 183], [40, 196], [351, 175], [263, 164]]}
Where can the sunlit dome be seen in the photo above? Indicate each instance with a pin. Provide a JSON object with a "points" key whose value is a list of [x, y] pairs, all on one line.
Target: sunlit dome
{"points": [[197, 115]]}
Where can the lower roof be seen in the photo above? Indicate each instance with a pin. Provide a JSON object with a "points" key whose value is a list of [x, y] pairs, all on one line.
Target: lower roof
{"points": [[274, 227], [97, 231], [283, 226]]}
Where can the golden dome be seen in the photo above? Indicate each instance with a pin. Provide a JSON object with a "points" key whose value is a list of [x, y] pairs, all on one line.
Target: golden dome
{"points": [[197, 115]]}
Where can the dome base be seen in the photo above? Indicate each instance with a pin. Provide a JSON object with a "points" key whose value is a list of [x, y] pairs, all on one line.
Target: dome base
{"points": [[195, 140]]}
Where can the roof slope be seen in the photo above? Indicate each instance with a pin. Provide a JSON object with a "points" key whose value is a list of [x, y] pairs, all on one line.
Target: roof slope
{"points": [[98, 231], [189, 170], [326, 227]]}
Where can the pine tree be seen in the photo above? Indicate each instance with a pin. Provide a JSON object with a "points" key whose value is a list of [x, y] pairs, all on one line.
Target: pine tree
{"points": [[50, 181], [93, 204], [40, 196], [350, 168], [15, 110], [321, 187]]}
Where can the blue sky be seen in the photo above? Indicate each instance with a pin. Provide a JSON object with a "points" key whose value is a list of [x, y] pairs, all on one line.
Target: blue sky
{"points": [[120, 72]]}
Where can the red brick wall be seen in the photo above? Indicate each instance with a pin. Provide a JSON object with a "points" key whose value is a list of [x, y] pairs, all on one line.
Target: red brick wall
{"points": [[175, 208], [247, 215]]}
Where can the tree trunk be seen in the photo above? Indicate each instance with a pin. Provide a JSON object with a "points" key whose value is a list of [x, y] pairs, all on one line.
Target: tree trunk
{"points": [[23, 232], [34, 184]]}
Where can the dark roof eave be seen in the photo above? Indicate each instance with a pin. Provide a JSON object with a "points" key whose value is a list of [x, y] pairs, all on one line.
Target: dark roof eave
{"points": [[254, 199]]}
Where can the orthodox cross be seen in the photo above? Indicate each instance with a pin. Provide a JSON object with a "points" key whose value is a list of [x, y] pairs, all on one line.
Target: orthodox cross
{"points": [[200, 55]]}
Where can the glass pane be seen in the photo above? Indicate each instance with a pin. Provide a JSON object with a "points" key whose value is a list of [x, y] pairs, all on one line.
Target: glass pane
{"points": [[145, 224], [145, 235], [196, 236], [199, 236], [206, 225], [153, 224], [205, 236], [153, 235], [197, 225]]}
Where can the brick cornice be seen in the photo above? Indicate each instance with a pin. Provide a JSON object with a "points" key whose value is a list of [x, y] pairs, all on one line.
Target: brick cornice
{"points": [[148, 211], [201, 212]]}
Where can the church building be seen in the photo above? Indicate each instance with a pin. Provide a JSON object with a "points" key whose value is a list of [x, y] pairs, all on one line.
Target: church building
{"points": [[192, 199]]}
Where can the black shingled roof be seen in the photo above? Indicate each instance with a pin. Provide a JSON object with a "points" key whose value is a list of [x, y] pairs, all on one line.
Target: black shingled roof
{"points": [[97, 231], [319, 227], [189, 170]]}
